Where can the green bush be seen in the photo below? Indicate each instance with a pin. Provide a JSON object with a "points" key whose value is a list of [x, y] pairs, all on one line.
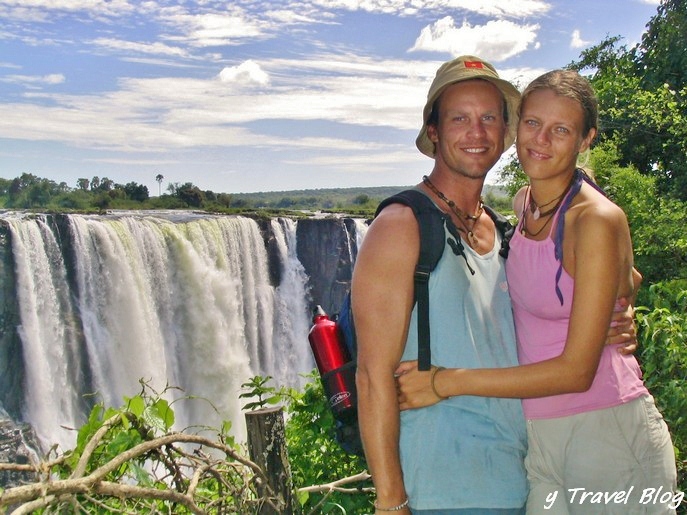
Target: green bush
{"points": [[317, 459], [663, 356], [128, 460], [314, 456]]}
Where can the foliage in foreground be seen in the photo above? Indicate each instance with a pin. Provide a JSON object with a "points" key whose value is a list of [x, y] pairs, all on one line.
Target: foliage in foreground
{"points": [[314, 456], [128, 461], [663, 357]]}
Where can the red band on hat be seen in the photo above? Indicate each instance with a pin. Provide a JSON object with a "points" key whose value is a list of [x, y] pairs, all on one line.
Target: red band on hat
{"points": [[474, 64]]}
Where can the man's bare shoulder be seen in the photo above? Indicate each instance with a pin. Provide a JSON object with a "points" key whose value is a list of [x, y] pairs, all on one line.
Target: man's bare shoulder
{"points": [[393, 235], [395, 221]]}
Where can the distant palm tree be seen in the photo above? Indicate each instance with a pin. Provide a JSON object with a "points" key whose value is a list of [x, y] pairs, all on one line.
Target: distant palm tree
{"points": [[159, 178]]}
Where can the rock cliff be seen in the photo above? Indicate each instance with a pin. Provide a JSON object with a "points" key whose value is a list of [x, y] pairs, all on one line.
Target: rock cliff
{"points": [[327, 250]]}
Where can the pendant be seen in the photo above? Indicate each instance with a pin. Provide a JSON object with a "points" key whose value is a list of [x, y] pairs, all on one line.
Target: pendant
{"points": [[536, 213], [472, 239]]}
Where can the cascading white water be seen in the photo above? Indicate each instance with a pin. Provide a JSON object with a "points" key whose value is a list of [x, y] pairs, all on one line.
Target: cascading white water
{"points": [[189, 305], [289, 358], [48, 332], [360, 231]]}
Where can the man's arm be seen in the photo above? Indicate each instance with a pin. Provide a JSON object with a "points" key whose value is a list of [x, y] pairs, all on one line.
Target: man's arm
{"points": [[382, 299]]}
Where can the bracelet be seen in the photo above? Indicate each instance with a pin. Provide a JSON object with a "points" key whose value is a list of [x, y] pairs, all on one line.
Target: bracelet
{"points": [[398, 507], [434, 388]]}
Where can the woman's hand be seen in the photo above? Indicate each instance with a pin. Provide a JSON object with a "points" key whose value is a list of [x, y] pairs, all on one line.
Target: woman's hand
{"points": [[414, 387]]}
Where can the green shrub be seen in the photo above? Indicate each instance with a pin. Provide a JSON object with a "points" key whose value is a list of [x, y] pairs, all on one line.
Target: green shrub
{"points": [[663, 356], [317, 459], [314, 456]]}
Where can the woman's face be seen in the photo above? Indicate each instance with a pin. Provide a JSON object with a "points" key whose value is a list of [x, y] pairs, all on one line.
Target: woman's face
{"points": [[550, 134]]}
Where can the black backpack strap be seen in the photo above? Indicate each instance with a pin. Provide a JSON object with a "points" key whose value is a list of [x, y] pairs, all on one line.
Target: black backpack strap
{"points": [[432, 240], [504, 227]]}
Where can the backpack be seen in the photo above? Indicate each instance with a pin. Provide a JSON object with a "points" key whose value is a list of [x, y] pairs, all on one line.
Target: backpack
{"points": [[431, 222]]}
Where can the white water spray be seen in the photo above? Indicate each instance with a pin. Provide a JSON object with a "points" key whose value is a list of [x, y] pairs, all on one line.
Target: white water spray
{"points": [[189, 305]]}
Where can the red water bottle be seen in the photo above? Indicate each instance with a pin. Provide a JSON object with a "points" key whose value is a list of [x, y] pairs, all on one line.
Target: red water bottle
{"points": [[334, 364]]}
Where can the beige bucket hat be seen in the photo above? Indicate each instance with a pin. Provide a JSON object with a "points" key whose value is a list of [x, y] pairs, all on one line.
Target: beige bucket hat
{"points": [[463, 68]]}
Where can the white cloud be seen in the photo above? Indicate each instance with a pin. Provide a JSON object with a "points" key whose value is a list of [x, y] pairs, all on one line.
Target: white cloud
{"points": [[45, 10], [140, 48], [154, 115], [496, 40], [247, 73], [53, 78], [576, 40], [499, 8], [221, 28]]}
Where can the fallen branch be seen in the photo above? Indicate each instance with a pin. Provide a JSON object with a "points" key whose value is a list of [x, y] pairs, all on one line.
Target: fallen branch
{"points": [[43, 493], [336, 486]]}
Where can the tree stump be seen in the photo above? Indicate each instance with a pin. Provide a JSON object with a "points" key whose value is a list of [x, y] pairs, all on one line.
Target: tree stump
{"points": [[267, 448]]}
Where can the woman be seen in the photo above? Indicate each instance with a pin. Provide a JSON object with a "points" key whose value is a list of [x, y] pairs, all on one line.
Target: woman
{"points": [[597, 443]]}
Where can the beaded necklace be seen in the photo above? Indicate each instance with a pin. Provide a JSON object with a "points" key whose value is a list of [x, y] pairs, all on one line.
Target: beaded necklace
{"points": [[463, 217], [537, 214]]}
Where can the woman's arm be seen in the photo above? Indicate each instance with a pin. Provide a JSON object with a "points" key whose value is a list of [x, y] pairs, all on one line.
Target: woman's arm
{"points": [[599, 263]]}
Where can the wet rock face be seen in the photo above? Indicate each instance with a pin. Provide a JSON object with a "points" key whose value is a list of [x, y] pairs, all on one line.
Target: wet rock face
{"points": [[326, 249], [18, 444]]}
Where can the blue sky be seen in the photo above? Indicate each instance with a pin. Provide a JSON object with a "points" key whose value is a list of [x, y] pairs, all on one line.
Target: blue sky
{"points": [[247, 95]]}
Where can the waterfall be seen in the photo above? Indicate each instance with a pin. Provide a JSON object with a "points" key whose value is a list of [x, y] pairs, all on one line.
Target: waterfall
{"points": [[48, 331], [360, 231], [181, 303], [291, 298]]}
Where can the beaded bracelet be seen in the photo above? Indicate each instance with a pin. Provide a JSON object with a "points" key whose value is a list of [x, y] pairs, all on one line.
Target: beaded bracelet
{"points": [[434, 389], [393, 508]]}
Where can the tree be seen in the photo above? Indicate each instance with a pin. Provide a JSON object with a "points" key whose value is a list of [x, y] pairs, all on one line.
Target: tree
{"points": [[137, 192], [5, 185], [657, 224], [661, 57], [159, 177], [643, 97], [127, 460], [29, 191], [190, 194], [83, 184], [361, 199], [106, 184]]}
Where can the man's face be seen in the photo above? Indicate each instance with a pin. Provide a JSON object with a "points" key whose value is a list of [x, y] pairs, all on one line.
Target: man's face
{"points": [[469, 135]]}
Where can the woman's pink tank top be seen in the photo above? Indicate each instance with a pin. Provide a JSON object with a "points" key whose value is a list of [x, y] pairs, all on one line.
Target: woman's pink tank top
{"points": [[541, 326]]}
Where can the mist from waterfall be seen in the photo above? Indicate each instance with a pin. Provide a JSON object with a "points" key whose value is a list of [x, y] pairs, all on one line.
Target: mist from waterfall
{"points": [[186, 304]]}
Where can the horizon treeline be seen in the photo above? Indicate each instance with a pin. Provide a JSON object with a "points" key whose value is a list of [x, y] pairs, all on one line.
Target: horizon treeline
{"points": [[31, 192]]}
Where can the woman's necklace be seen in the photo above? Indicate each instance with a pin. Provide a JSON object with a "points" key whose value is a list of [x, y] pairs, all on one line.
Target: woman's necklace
{"points": [[462, 217], [537, 213], [536, 209]]}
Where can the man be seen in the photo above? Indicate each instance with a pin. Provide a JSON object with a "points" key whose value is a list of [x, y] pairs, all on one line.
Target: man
{"points": [[465, 453]]}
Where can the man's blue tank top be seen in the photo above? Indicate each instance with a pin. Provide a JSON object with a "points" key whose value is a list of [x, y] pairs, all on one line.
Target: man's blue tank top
{"points": [[466, 452]]}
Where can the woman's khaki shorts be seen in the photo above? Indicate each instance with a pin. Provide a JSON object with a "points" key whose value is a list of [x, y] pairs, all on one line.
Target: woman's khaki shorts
{"points": [[618, 460]]}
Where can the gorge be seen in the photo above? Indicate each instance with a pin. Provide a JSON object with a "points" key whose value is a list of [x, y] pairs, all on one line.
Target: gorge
{"points": [[91, 305]]}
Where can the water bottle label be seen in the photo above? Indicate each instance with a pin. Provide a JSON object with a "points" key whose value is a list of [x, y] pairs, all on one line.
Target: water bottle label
{"points": [[339, 398]]}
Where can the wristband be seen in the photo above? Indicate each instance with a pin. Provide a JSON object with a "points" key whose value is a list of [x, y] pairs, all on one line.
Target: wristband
{"points": [[434, 389], [398, 507]]}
